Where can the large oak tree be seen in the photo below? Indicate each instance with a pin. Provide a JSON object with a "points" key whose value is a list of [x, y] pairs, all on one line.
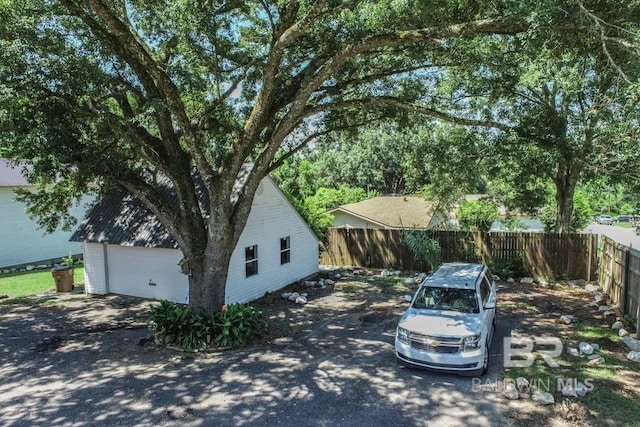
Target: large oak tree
{"points": [[95, 93]]}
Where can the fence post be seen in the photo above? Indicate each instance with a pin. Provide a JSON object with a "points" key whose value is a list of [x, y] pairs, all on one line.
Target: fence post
{"points": [[591, 258], [625, 282]]}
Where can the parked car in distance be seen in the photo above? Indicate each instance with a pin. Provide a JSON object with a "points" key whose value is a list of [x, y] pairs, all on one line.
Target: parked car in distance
{"points": [[623, 218], [604, 219], [451, 321]]}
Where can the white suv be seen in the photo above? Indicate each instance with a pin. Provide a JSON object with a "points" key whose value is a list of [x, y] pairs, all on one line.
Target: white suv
{"points": [[451, 321]]}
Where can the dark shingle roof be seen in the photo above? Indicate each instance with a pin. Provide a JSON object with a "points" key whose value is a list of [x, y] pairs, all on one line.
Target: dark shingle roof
{"points": [[120, 218]]}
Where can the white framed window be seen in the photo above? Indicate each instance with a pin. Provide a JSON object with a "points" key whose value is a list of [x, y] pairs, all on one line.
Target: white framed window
{"points": [[251, 260], [285, 250]]}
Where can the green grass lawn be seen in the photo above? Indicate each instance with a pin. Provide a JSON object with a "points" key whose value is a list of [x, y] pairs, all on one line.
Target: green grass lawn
{"points": [[18, 285]]}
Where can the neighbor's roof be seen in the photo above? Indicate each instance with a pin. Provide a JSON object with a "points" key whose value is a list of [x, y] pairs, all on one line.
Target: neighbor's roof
{"points": [[392, 211], [11, 174], [120, 218]]}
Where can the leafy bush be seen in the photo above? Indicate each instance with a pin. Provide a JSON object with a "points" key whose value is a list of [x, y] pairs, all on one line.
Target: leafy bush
{"points": [[422, 247], [235, 325], [174, 324], [512, 267]]}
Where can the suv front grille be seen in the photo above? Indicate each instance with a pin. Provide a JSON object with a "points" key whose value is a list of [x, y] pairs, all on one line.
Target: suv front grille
{"points": [[435, 344]]}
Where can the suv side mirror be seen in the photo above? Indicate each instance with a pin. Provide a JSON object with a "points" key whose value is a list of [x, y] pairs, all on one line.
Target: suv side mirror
{"points": [[408, 298]]}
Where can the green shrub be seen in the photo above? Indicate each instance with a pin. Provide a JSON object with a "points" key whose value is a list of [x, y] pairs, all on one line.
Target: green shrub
{"points": [[512, 267], [235, 325], [423, 247], [174, 324]]}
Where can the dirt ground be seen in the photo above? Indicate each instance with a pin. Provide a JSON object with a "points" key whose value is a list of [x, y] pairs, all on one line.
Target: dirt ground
{"points": [[527, 309], [531, 310]]}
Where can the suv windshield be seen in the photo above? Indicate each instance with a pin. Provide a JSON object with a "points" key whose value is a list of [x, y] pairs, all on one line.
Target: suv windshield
{"points": [[438, 298]]}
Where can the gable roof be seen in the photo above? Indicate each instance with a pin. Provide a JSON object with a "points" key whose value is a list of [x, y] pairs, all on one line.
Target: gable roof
{"points": [[392, 211], [120, 218], [11, 174]]}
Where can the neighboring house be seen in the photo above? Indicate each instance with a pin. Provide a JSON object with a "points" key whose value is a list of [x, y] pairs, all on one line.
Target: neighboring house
{"points": [[22, 241], [128, 251], [393, 212]]}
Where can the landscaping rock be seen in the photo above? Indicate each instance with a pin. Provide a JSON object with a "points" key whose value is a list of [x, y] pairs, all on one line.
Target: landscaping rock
{"points": [[286, 295], [294, 296], [634, 356], [632, 343], [595, 346], [585, 348], [617, 325], [510, 391], [496, 278], [577, 283], [526, 280], [30, 267], [573, 351], [523, 385], [596, 359], [510, 280], [603, 308], [420, 277], [301, 300], [567, 319], [569, 391], [623, 332], [329, 282], [590, 288], [385, 273], [544, 398], [581, 389]]}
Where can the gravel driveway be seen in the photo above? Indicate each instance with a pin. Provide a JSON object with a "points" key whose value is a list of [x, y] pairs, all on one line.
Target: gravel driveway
{"points": [[78, 360]]}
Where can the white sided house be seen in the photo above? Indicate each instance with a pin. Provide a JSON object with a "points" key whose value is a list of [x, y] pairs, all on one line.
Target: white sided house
{"points": [[22, 241], [127, 251]]}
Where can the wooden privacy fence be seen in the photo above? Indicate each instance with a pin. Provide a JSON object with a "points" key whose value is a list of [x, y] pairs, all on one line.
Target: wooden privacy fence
{"points": [[620, 277], [548, 255]]}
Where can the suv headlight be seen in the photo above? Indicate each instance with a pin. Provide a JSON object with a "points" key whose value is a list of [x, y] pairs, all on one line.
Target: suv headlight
{"points": [[402, 335], [471, 343]]}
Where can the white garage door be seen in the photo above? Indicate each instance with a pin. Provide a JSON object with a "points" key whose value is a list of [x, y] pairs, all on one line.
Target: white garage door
{"points": [[147, 272]]}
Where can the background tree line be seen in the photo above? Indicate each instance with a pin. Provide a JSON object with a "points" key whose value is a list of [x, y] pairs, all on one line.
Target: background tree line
{"points": [[530, 98]]}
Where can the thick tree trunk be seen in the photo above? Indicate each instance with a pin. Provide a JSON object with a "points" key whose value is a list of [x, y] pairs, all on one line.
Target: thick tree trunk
{"points": [[207, 284], [565, 182], [209, 267]]}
